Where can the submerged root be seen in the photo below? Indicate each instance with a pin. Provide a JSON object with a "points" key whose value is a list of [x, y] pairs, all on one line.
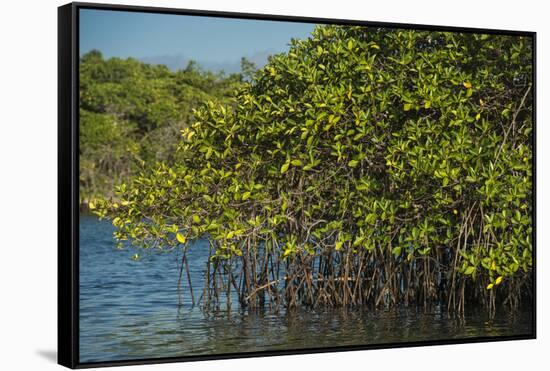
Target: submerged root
{"points": [[262, 279]]}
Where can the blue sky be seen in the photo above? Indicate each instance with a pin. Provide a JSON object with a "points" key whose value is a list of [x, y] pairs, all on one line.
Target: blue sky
{"points": [[215, 43]]}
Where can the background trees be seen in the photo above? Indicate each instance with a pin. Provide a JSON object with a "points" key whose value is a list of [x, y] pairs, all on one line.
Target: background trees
{"points": [[131, 114], [365, 166]]}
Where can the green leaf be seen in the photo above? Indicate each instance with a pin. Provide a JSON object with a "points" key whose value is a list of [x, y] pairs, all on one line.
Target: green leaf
{"points": [[407, 107], [181, 238], [396, 251], [284, 168], [358, 240], [353, 163]]}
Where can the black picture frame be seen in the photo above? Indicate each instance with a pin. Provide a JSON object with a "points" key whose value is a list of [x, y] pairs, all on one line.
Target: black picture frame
{"points": [[68, 173]]}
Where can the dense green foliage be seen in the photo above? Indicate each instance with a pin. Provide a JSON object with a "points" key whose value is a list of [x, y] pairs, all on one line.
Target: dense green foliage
{"points": [[364, 166], [131, 114]]}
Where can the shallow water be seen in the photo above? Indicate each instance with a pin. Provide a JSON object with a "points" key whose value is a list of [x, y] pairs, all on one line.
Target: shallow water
{"points": [[130, 310]]}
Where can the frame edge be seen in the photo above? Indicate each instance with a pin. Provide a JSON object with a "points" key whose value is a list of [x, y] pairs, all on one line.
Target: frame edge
{"points": [[67, 261]]}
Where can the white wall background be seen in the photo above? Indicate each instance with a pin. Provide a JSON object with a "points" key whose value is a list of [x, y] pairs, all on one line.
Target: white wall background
{"points": [[28, 155]]}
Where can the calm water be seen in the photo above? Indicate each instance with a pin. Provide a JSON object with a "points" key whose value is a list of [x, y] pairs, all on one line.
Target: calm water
{"points": [[130, 310]]}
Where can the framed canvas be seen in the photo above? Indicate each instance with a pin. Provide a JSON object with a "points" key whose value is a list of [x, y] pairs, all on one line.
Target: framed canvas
{"points": [[238, 185]]}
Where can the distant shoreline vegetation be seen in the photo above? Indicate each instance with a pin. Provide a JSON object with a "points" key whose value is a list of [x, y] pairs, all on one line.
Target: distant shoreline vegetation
{"points": [[365, 166], [131, 114]]}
